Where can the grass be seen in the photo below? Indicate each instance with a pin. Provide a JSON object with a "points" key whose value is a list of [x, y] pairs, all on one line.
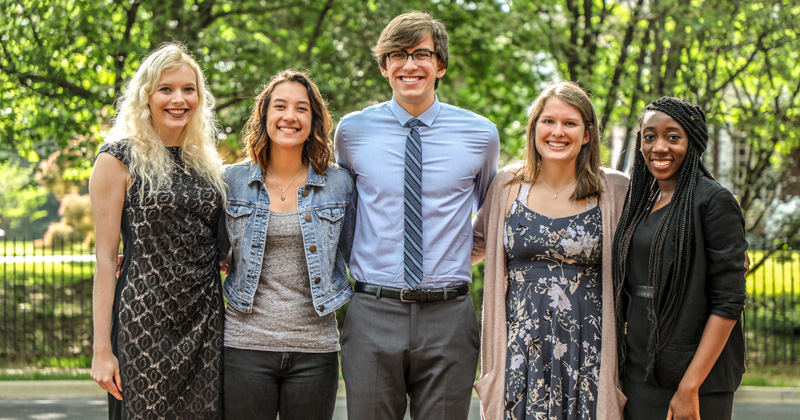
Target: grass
{"points": [[779, 275], [8, 248], [778, 375], [45, 272], [51, 368]]}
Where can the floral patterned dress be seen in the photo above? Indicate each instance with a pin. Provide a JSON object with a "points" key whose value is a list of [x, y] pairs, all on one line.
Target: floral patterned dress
{"points": [[553, 311]]}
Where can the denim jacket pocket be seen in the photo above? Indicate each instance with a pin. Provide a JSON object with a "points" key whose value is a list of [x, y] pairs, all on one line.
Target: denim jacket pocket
{"points": [[331, 220], [237, 219]]}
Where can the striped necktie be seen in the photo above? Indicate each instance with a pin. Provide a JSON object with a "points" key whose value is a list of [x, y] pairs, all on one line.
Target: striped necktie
{"points": [[412, 232]]}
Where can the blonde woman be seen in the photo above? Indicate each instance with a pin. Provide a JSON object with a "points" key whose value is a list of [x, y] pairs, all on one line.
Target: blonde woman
{"points": [[157, 180]]}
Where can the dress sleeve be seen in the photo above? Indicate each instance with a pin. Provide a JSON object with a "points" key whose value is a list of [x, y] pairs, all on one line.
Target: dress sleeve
{"points": [[118, 149], [725, 252]]}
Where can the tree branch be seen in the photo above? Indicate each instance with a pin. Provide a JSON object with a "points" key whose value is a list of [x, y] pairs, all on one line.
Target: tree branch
{"points": [[119, 62], [623, 56], [317, 30]]}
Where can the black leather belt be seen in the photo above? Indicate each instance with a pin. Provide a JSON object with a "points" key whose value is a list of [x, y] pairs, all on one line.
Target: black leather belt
{"points": [[413, 295], [642, 291]]}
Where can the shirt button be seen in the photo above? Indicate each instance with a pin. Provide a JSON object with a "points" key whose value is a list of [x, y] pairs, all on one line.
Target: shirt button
{"points": [[317, 280], [305, 192], [321, 307], [312, 248], [308, 218]]}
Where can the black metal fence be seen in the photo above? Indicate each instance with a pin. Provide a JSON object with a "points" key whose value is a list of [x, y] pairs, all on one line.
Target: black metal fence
{"points": [[772, 312], [46, 296]]}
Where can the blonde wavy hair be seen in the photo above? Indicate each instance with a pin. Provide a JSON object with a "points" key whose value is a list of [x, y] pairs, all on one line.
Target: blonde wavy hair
{"points": [[149, 159]]}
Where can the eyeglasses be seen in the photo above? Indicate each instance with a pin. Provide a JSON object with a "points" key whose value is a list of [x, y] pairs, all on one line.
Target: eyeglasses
{"points": [[420, 56]]}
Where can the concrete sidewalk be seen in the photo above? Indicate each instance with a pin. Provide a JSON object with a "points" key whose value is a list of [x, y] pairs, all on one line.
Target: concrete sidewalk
{"points": [[84, 400], [33, 389]]}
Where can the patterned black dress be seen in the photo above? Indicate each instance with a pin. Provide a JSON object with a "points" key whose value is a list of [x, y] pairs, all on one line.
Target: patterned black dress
{"points": [[168, 309], [553, 312]]}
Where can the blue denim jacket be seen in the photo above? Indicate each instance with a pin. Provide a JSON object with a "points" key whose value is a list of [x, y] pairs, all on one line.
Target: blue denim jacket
{"points": [[321, 206]]}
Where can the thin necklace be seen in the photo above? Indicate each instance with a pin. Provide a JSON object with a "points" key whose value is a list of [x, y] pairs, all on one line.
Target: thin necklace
{"points": [[283, 190], [184, 168], [555, 193]]}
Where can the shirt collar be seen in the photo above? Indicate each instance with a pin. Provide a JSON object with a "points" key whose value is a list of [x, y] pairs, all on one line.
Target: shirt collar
{"points": [[427, 118]]}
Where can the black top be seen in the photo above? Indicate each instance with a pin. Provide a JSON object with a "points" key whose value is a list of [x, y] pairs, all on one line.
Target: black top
{"points": [[637, 312]]}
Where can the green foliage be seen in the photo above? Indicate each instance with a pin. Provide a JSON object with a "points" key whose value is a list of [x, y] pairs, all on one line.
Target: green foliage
{"points": [[20, 197], [63, 64]]}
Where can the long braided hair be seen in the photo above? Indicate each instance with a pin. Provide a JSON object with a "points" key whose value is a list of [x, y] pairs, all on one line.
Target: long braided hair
{"points": [[642, 193]]}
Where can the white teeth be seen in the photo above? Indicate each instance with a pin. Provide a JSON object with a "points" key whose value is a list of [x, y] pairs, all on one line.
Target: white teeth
{"points": [[661, 163], [556, 144], [409, 79], [288, 130], [176, 111]]}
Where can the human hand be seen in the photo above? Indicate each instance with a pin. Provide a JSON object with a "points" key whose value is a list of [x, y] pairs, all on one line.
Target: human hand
{"points": [[119, 264], [685, 405], [105, 371], [225, 266]]}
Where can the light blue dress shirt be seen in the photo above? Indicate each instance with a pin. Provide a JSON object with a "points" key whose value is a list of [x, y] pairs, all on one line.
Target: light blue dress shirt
{"points": [[460, 150]]}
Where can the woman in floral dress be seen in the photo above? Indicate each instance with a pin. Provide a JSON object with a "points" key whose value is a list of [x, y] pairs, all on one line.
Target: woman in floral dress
{"points": [[545, 233]]}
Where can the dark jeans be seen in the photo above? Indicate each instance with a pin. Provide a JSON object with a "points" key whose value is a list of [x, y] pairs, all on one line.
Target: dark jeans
{"points": [[263, 384]]}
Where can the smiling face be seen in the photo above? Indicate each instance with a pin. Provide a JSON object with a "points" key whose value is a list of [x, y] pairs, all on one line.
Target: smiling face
{"points": [[413, 84], [560, 132], [289, 116], [173, 103], [664, 147]]}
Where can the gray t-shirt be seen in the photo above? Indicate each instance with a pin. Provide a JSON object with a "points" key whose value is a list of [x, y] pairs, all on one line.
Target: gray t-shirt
{"points": [[283, 317]]}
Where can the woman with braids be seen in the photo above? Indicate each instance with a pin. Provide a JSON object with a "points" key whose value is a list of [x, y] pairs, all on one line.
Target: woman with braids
{"points": [[286, 206], [549, 344], [158, 181], [679, 270]]}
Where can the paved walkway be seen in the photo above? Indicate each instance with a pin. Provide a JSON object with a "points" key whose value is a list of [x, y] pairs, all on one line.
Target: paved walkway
{"points": [[51, 400]]}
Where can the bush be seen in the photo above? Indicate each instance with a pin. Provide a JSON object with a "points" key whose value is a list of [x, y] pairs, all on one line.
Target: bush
{"points": [[76, 223], [60, 234]]}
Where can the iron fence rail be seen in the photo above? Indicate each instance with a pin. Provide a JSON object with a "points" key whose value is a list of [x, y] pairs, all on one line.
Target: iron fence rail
{"points": [[46, 302]]}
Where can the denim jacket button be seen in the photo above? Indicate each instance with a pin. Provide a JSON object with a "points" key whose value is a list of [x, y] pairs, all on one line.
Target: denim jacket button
{"points": [[312, 248], [317, 280], [308, 218], [321, 307], [305, 194]]}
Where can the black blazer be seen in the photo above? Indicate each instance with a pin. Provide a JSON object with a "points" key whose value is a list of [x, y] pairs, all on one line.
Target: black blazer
{"points": [[716, 285]]}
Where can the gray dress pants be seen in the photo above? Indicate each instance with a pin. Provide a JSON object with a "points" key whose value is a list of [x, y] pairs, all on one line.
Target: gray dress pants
{"points": [[426, 352]]}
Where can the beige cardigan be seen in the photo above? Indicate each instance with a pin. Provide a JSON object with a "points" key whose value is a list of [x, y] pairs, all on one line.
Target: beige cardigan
{"points": [[488, 228]]}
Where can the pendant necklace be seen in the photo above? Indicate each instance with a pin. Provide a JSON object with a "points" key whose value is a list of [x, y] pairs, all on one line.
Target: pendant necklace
{"points": [[555, 193], [184, 168], [283, 190]]}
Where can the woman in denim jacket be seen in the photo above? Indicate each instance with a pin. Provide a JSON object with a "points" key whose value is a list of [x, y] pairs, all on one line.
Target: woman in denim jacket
{"points": [[287, 274]]}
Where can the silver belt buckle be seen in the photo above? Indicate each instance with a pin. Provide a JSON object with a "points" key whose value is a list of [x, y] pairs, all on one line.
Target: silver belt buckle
{"points": [[403, 294]]}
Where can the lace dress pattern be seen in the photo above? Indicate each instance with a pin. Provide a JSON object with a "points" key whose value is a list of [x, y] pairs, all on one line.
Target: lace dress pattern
{"points": [[168, 308], [553, 312]]}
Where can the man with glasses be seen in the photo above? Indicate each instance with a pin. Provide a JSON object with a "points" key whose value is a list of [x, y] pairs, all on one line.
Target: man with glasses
{"points": [[421, 169]]}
